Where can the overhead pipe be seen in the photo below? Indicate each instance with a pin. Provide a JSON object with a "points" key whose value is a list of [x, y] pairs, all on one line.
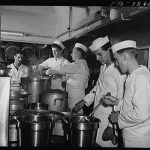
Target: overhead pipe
{"points": [[0, 22], [70, 19]]}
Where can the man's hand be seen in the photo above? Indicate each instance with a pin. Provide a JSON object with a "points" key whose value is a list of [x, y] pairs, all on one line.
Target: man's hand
{"points": [[49, 71], [78, 106], [111, 100], [114, 117]]}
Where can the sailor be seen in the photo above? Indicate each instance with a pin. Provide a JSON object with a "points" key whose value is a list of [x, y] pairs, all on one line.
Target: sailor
{"points": [[77, 75], [110, 80], [134, 116]]}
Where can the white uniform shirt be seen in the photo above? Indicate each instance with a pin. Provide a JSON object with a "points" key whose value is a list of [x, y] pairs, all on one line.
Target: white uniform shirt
{"points": [[56, 83], [78, 76], [134, 116], [16, 75], [110, 80], [54, 63]]}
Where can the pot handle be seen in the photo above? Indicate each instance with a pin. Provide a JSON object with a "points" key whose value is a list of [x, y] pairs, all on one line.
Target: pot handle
{"points": [[59, 99], [66, 130], [23, 86]]}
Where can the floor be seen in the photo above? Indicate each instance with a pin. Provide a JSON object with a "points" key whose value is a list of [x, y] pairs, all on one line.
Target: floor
{"points": [[56, 142]]}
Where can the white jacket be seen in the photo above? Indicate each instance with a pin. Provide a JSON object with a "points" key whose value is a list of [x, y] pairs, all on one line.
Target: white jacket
{"points": [[134, 116], [110, 80], [54, 63], [77, 80]]}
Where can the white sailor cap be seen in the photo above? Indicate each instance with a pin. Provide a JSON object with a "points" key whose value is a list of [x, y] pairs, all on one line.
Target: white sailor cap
{"points": [[79, 45], [123, 45], [59, 44], [98, 43]]}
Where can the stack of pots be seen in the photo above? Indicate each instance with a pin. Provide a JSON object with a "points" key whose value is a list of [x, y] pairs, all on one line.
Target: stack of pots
{"points": [[18, 100], [36, 85]]}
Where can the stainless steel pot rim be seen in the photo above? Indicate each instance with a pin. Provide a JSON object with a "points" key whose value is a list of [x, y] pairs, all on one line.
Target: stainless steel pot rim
{"points": [[54, 91], [26, 112], [35, 118], [39, 78], [77, 119]]}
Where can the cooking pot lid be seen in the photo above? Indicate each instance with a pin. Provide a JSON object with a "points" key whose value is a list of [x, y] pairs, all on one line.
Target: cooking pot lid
{"points": [[36, 119], [35, 78], [19, 93], [25, 112]]}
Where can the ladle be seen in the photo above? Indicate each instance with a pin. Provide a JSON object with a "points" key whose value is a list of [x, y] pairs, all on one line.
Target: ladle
{"points": [[101, 101]]}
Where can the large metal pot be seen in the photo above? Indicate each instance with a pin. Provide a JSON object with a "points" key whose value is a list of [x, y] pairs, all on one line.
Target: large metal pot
{"points": [[81, 131], [36, 85], [36, 130], [56, 99]]}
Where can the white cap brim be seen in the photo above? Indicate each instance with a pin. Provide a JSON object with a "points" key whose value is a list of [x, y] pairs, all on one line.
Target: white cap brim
{"points": [[59, 44], [123, 45], [98, 43], [79, 45]]}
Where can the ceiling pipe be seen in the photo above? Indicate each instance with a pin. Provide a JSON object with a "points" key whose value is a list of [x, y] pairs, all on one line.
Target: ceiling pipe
{"points": [[0, 23], [70, 19]]}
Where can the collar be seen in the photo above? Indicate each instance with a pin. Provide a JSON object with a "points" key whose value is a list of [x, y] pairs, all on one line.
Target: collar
{"points": [[59, 58]]}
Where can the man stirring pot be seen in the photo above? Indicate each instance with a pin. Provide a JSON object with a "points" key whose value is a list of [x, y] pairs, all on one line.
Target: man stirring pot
{"points": [[110, 80], [134, 116], [54, 62]]}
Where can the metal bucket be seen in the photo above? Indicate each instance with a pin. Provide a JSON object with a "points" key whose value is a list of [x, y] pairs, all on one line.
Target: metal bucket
{"points": [[36, 130], [56, 99], [36, 85], [81, 132]]}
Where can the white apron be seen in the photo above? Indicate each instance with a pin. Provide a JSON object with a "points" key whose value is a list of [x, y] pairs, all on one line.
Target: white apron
{"points": [[110, 80]]}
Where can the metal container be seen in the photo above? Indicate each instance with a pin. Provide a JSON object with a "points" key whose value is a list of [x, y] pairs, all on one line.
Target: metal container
{"points": [[36, 130], [56, 99], [13, 138], [37, 106], [80, 132], [4, 72], [16, 105], [36, 85], [20, 95]]}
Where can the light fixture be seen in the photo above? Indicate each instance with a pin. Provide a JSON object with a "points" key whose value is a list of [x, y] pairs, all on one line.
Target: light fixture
{"points": [[11, 33]]}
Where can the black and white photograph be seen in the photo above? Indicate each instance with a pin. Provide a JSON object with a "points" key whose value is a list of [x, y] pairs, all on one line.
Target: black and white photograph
{"points": [[75, 76]]}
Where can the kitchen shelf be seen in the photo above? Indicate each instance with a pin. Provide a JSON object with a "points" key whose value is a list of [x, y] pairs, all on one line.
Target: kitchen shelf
{"points": [[103, 23]]}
